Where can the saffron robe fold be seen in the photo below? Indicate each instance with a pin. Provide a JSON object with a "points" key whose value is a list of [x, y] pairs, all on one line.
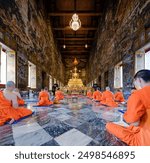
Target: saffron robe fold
{"points": [[7, 112], [138, 110]]}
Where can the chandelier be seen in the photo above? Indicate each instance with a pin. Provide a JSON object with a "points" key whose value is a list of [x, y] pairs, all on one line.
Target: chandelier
{"points": [[75, 22]]}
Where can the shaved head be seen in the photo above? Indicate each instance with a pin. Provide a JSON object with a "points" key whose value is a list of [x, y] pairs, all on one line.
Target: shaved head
{"points": [[107, 88], [10, 84]]}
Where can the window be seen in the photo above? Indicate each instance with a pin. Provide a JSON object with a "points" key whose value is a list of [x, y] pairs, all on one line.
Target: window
{"points": [[118, 76], [31, 75], [142, 58], [3, 67], [55, 81], [7, 64], [92, 83], [50, 82], [147, 60], [11, 66], [139, 61]]}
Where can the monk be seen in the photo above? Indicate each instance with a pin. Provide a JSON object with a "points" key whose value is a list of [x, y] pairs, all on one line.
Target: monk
{"points": [[19, 98], [108, 98], [97, 95], [119, 96], [59, 95], [9, 111], [44, 98], [137, 114], [89, 94]]}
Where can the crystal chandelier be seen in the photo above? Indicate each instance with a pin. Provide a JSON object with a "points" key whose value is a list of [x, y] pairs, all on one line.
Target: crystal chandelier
{"points": [[75, 22]]}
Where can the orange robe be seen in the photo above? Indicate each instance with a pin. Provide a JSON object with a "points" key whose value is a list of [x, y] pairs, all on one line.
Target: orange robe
{"points": [[89, 94], [108, 99], [20, 101], [138, 109], [44, 99], [97, 95], [119, 97], [59, 95], [7, 112]]}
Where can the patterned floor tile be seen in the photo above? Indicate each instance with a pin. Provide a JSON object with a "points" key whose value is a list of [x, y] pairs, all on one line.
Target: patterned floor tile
{"points": [[51, 143], [93, 143], [63, 110], [57, 129], [6, 135], [74, 122], [73, 138], [89, 130], [19, 131], [35, 138], [63, 117], [69, 123]]}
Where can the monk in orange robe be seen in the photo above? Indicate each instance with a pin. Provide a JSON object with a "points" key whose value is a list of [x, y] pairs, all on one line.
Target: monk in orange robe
{"points": [[119, 96], [9, 111], [44, 98], [108, 98], [89, 94], [59, 95], [97, 95], [137, 114], [19, 98]]}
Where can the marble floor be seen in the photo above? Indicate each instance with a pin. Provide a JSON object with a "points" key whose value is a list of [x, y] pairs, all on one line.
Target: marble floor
{"points": [[74, 122]]}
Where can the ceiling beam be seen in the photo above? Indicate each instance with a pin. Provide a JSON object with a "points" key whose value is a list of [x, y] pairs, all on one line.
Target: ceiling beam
{"points": [[72, 12], [73, 56], [76, 46], [73, 51], [75, 38], [70, 43], [80, 29]]}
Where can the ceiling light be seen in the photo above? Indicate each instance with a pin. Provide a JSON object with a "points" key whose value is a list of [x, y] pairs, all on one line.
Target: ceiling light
{"points": [[75, 22], [86, 46]]}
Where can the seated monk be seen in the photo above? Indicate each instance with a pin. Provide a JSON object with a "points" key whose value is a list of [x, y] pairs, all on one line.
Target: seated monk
{"points": [[59, 95], [137, 114], [44, 98], [119, 96], [89, 94], [97, 95], [9, 111], [19, 98], [108, 98]]}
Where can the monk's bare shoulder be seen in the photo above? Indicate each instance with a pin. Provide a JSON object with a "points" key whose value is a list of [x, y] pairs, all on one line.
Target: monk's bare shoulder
{"points": [[9, 95]]}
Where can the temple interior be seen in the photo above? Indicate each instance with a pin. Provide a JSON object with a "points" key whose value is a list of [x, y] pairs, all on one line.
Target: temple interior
{"points": [[76, 46]]}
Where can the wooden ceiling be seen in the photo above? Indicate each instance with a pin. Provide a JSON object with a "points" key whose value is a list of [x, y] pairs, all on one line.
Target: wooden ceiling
{"points": [[60, 13]]}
